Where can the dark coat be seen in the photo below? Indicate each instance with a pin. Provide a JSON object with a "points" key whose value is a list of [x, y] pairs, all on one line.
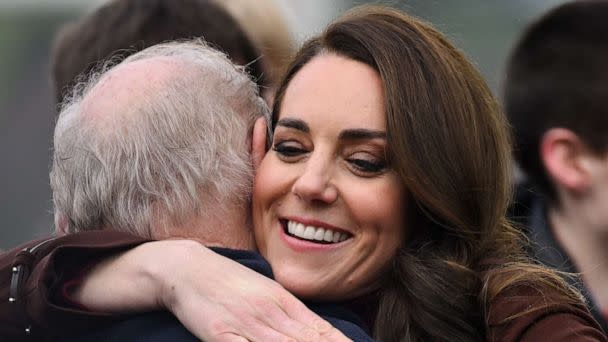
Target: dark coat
{"points": [[39, 309], [46, 316]]}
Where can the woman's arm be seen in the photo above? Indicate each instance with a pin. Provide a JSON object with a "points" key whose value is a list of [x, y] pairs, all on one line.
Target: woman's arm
{"points": [[214, 297]]}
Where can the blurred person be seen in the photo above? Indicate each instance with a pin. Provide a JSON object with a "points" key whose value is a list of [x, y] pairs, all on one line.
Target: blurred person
{"points": [[266, 25], [385, 186], [556, 97], [122, 27], [135, 150]]}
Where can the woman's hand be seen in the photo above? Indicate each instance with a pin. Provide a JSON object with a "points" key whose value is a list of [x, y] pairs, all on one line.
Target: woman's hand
{"points": [[214, 297]]}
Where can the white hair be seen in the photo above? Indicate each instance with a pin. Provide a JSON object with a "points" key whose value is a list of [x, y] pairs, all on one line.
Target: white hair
{"points": [[188, 147]]}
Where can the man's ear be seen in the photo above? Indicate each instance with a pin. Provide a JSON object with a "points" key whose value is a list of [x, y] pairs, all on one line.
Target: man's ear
{"points": [[258, 142], [567, 159]]}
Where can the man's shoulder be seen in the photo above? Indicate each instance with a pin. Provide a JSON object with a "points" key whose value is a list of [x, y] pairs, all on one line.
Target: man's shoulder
{"points": [[151, 327], [250, 259], [337, 315]]}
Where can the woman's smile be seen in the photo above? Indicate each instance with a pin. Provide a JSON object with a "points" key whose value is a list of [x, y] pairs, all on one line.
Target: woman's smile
{"points": [[314, 231]]}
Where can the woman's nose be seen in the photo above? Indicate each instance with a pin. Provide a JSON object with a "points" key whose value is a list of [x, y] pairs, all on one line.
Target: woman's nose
{"points": [[314, 184]]}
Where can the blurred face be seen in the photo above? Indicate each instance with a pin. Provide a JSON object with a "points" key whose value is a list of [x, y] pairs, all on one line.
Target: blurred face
{"points": [[328, 211]]}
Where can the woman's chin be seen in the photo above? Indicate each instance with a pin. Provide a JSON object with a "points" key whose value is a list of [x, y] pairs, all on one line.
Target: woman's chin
{"points": [[306, 286]]}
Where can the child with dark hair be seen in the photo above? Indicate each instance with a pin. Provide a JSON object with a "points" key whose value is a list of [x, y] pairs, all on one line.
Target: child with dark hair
{"points": [[556, 97]]}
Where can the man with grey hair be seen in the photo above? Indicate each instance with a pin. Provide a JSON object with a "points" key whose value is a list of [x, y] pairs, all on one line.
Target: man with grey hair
{"points": [[159, 146], [159, 140]]}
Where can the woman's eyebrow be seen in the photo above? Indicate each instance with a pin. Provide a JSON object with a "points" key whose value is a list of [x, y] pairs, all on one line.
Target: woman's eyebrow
{"points": [[295, 124], [347, 134], [361, 133]]}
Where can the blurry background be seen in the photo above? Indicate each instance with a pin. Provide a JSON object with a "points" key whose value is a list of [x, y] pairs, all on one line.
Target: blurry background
{"points": [[484, 29]]}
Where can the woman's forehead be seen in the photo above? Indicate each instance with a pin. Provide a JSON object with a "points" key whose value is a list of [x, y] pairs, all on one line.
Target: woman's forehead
{"points": [[335, 90]]}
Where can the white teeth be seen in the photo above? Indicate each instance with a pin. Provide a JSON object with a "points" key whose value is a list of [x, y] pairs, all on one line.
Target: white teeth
{"points": [[298, 229], [328, 236], [336, 237], [314, 233], [309, 233], [320, 234]]}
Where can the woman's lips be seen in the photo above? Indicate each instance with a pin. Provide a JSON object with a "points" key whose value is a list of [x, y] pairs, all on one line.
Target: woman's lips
{"points": [[314, 234], [304, 234]]}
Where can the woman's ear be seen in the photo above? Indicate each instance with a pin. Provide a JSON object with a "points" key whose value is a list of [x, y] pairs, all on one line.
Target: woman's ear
{"points": [[258, 142], [566, 159]]}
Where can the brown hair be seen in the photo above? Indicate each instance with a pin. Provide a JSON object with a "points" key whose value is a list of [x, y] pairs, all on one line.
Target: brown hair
{"points": [[448, 141], [556, 77], [123, 27], [267, 27]]}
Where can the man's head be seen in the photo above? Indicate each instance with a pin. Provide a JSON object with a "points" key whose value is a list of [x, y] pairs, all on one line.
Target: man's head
{"points": [[158, 140], [122, 27], [556, 96]]}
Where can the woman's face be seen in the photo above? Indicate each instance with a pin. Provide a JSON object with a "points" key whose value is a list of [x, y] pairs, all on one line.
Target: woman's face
{"points": [[328, 211]]}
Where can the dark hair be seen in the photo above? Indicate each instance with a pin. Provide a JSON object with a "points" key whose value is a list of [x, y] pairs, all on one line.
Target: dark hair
{"points": [[449, 143], [557, 76], [123, 27]]}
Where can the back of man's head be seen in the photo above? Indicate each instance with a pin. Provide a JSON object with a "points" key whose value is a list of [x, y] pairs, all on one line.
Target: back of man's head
{"points": [[154, 141], [557, 77], [122, 27]]}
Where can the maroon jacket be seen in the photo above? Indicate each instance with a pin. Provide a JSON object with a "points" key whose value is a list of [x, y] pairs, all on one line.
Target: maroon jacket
{"points": [[30, 276]]}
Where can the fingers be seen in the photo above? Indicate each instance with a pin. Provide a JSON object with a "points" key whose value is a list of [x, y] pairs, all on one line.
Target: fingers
{"points": [[297, 311], [291, 317], [262, 332], [275, 317], [334, 335], [233, 325], [249, 307], [230, 337]]}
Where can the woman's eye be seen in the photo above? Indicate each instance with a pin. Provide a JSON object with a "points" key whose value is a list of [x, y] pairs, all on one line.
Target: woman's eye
{"points": [[288, 149], [367, 166]]}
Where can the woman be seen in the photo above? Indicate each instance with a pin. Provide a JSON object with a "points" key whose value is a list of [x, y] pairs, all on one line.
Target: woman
{"points": [[386, 186]]}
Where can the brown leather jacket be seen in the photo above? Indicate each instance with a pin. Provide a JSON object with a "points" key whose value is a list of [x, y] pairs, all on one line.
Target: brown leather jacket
{"points": [[31, 274]]}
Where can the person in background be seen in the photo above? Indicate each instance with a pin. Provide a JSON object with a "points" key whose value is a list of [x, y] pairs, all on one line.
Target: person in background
{"points": [[556, 98], [123, 27], [266, 26]]}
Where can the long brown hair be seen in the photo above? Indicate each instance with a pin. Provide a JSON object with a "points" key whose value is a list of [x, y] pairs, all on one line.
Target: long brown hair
{"points": [[449, 143]]}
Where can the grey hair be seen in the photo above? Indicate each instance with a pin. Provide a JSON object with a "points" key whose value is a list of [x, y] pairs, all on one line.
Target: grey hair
{"points": [[189, 147]]}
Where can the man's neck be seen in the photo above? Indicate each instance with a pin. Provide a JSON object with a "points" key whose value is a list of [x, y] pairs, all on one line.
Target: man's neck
{"points": [[228, 228], [585, 245]]}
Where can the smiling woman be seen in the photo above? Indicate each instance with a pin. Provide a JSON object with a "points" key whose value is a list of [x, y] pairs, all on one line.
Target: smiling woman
{"points": [[386, 134], [327, 177]]}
